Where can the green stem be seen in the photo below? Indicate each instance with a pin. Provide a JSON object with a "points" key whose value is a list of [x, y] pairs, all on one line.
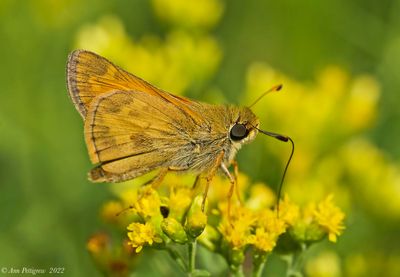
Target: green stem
{"points": [[238, 272], [178, 258], [258, 269], [192, 257], [295, 263], [259, 261]]}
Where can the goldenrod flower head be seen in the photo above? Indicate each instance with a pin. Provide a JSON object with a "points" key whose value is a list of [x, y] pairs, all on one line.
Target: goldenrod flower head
{"points": [[315, 221], [236, 236], [288, 211], [236, 230], [268, 227], [141, 234], [263, 240], [179, 201], [330, 218], [148, 203], [269, 221]]}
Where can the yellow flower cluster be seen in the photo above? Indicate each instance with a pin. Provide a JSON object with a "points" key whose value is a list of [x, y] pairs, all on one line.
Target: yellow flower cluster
{"points": [[330, 217], [173, 214], [173, 63], [315, 221], [253, 223], [141, 234]]}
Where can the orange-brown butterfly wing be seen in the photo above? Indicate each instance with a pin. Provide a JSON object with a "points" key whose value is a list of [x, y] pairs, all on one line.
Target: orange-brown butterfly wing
{"points": [[90, 75], [129, 133]]}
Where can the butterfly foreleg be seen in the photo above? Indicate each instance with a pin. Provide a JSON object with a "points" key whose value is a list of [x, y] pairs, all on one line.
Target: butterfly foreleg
{"points": [[236, 175], [232, 179], [210, 176], [156, 181], [196, 182]]}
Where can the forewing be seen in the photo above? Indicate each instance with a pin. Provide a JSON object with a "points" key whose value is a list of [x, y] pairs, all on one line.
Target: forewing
{"points": [[90, 75], [130, 133]]}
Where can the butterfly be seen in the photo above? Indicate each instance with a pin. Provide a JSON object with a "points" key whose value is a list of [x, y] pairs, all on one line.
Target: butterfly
{"points": [[131, 127]]}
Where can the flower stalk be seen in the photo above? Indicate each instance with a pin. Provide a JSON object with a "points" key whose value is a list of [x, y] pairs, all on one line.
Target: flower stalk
{"points": [[192, 257], [295, 262], [259, 261]]}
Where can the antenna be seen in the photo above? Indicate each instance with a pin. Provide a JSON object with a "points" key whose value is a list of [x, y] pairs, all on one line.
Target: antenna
{"points": [[284, 139], [273, 89], [130, 207]]}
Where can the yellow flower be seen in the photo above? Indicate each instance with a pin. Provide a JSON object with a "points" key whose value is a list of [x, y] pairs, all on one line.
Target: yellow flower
{"points": [[268, 220], [236, 236], [330, 218], [263, 240], [267, 230], [148, 202], [179, 202], [141, 234], [288, 211], [237, 229]]}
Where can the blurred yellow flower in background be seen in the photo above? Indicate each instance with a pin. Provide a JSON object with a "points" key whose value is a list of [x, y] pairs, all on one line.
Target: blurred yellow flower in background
{"points": [[326, 264], [189, 14], [173, 63]]}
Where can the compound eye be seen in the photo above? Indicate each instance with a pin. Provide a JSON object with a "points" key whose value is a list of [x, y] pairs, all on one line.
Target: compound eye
{"points": [[238, 132]]}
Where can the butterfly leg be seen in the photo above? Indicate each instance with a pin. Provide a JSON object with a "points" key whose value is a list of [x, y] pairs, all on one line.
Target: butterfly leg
{"points": [[156, 181], [210, 176], [196, 182], [236, 175], [231, 188]]}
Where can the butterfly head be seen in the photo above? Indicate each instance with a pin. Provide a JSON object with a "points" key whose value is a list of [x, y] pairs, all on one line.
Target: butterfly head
{"points": [[244, 128]]}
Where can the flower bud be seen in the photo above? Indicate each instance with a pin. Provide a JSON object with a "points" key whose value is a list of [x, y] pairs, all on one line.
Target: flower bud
{"points": [[196, 219], [236, 259], [307, 232], [174, 230]]}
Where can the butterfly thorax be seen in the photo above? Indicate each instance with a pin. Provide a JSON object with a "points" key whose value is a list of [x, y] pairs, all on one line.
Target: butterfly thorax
{"points": [[207, 140]]}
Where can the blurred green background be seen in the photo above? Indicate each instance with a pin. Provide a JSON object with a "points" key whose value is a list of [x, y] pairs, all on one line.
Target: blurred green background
{"points": [[49, 209]]}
